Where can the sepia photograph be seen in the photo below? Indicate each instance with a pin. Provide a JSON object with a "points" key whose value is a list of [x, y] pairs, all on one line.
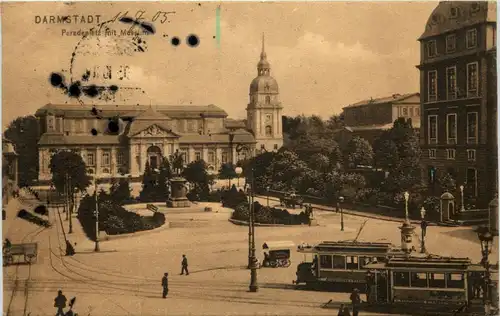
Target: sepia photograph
{"points": [[249, 158]]}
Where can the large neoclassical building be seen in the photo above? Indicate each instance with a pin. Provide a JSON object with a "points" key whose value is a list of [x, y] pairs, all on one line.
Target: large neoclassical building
{"points": [[148, 133]]}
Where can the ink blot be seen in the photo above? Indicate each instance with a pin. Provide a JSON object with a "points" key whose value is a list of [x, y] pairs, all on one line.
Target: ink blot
{"points": [[74, 90], [193, 40], [56, 79], [113, 88], [113, 126], [175, 41], [86, 75], [91, 91], [93, 132]]}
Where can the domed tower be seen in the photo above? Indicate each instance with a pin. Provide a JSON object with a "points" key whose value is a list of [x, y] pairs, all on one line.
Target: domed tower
{"points": [[264, 109]]}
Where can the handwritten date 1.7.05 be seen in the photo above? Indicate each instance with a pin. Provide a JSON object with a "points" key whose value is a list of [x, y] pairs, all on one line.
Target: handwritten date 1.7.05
{"points": [[161, 16]]}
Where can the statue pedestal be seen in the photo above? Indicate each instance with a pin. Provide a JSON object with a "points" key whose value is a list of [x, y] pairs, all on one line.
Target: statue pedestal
{"points": [[406, 236], [178, 193]]}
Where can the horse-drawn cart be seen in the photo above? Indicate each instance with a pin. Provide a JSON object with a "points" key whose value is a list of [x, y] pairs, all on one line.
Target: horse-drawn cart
{"points": [[28, 252], [291, 200], [277, 254]]}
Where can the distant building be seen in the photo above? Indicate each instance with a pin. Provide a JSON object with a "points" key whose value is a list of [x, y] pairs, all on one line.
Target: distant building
{"points": [[9, 170], [149, 133], [369, 118], [458, 88]]}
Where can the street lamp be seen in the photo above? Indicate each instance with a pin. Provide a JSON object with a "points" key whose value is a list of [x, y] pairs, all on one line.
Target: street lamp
{"points": [[486, 238], [462, 209], [341, 199], [267, 189], [423, 226], [254, 287], [407, 197], [96, 215], [238, 171]]}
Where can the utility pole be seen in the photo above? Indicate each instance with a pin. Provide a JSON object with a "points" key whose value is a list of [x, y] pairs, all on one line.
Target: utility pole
{"points": [[71, 205], [254, 287], [96, 216]]}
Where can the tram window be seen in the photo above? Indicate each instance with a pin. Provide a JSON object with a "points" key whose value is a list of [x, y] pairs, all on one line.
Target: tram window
{"points": [[339, 262], [364, 260], [436, 280], [401, 278], [455, 280], [418, 279], [352, 262], [325, 262]]}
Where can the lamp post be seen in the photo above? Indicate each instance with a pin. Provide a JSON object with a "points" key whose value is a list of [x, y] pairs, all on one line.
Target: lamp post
{"points": [[341, 199], [96, 249], [407, 197], [254, 287], [462, 208], [423, 226], [486, 238], [267, 190]]}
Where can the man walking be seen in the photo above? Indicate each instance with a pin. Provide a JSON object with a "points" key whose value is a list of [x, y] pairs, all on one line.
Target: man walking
{"points": [[60, 303], [164, 284], [184, 265], [356, 301]]}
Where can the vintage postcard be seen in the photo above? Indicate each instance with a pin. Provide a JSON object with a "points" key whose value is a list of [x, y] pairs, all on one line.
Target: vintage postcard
{"points": [[249, 158]]}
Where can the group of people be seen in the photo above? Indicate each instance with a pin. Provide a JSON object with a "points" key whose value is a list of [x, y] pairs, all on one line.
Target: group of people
{"points": [[60, 304], [164, 280]]}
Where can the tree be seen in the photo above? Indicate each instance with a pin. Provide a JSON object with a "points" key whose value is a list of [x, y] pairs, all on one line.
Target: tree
{"points": [[149, 185], [196, 174], [287, 171], [358, 152], [120, 192], [69, 175], [24, 132], [447, 183], [319, 162], [227, 171]]}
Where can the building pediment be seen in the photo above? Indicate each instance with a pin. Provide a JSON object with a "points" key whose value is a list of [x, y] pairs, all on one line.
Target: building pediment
{"points": [[152, 130]]}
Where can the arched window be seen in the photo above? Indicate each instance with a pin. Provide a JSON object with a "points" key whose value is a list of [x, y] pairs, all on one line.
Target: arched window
{"points": [[269, 130], [268, 99]]}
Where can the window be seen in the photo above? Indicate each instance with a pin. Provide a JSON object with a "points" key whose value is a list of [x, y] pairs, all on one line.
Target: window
{"points": [[432, 174], [325, 262], [211, 157], [364, 261], [450, 154], [471, 154], [432, 154], [454, 12], [431, 48], [451, 128], [79, 126], [432, 82], [191, 126], [58, 124], [268, 99], [418, 279], [436, 280], [90, 159], [432, 129], [352, 263], [224, 157], [405, 112], [269, 130], [339, 262], [471, 38], [474, 7], [119, 158], [197, 155], [275, 146], [471, 180], [401, 278], [451, 82], [417, 112], [472, 134], [472, 80], [106, 158], [451, 41], [455, 280], [262, 146], [185, 156]]}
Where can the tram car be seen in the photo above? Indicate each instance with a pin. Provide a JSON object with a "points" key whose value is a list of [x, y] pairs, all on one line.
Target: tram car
{"points": [[341, 263], [425, 281]]}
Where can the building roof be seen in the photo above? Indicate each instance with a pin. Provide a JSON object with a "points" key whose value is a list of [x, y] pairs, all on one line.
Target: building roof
{"points": [[172, 111], [453, 15], [395, 98], [234, 124], [8, 147], [61, 140], [240, 137]]}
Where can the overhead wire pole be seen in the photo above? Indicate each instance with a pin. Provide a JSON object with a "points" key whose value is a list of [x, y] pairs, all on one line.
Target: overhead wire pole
{"points": [[96, 215]]}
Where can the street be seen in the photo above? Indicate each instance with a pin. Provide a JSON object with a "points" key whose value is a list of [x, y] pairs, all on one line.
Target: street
{"points": [[125, 277]]}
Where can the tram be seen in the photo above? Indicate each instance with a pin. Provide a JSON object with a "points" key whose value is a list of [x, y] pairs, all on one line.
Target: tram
{"points": [[341, 263], [426, 281]]}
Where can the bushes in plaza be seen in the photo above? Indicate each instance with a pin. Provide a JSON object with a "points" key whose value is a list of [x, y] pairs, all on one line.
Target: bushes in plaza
{"points": [[269, 215], [232, 197], [155, 183], [113, 218]]}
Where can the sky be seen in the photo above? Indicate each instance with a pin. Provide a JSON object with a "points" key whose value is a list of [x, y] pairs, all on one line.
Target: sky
{"points": [[324, 55]]}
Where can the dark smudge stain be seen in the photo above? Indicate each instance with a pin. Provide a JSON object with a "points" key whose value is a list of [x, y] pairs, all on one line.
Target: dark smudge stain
{"points": [[91, 91], [86, 75], [56, 80], [93, 132], [75, 90], [113, 88]]}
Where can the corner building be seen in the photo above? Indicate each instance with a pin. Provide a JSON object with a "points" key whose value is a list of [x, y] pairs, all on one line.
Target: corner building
{"points": [[458, 96], [149, 133]]}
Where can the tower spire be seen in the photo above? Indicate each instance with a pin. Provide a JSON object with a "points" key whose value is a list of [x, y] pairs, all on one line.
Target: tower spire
{"points": [[263, 55]]}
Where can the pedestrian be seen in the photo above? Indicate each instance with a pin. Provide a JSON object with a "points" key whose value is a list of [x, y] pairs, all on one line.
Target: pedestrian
{"points": [[60, 303], [356, 301], [164, 284], [184, 265], [347, 312], [341, 310]]}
